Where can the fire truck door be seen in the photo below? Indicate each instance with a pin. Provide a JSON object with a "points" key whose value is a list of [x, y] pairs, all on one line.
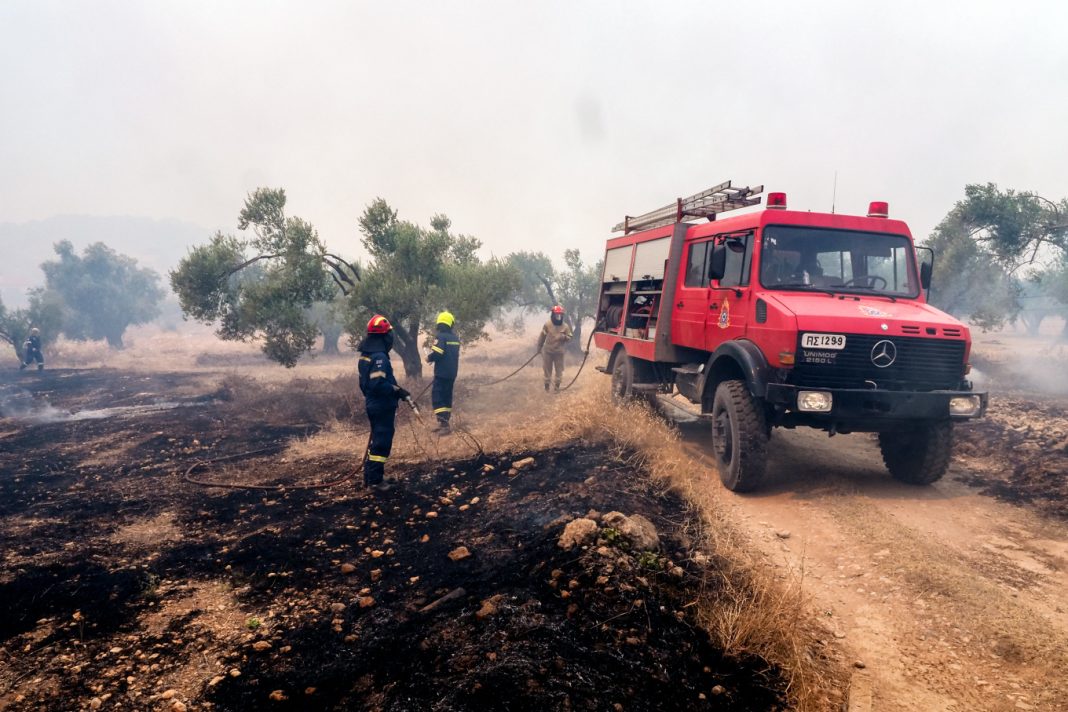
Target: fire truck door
{"points": [[689, 313], [728, 304]]}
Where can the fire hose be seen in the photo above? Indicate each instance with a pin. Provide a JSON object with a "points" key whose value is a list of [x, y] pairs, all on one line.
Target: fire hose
{"points": [[465, 435]]}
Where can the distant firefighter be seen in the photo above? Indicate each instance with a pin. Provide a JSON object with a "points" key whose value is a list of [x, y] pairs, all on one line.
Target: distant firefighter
{"points": [[381, 394], [445, 355], [552, 342], [32, 350]]}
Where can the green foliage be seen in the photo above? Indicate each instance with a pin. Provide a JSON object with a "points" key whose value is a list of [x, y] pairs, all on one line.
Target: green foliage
{"points": [[416, 272], [263, 287], [575, 287], [649, 560], [44, 312], [253, 623], [614, 537], [103, 292], [985, 247], [329, 319]]}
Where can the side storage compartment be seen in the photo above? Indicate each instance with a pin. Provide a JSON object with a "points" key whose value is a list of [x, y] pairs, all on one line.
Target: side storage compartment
{"points": [[614, 289]]}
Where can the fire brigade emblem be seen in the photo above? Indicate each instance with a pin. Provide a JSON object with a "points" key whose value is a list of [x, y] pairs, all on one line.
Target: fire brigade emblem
{"points": [[872, 311], [725, 315]]}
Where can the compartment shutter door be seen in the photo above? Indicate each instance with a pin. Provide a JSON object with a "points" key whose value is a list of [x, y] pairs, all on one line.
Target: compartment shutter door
{"points": [[650, 258], [617, 264]]}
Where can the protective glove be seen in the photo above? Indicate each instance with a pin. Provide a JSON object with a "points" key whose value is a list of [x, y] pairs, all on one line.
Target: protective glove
{"points": [[401, 393]]}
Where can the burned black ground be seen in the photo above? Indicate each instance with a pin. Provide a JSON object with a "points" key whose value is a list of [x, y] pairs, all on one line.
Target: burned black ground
{"points": [[93, 613]]}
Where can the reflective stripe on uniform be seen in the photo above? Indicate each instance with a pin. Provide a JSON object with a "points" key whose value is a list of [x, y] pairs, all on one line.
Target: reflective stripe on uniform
{"points": [[452, 343], [365, 358], [435, 348], [442, 410], [377, 374], [378, 458]]}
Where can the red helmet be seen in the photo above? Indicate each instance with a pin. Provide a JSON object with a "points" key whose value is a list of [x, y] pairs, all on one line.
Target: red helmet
{"points": [[558, 309], [379, 325]]}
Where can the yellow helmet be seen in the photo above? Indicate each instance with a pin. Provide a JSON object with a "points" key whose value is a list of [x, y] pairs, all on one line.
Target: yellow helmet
{"points": [[446, 318]]}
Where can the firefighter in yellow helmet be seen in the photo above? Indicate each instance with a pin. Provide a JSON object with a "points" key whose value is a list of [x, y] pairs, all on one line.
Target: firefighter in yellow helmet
{"points": [[445, 355], [552, 342]]}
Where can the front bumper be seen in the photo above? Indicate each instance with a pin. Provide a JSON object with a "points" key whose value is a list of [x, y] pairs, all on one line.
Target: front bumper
{"points": [[864, 405]]}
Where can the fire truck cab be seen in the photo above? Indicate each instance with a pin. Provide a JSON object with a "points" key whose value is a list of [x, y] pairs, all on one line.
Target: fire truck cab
{"points": [[783, 318]]}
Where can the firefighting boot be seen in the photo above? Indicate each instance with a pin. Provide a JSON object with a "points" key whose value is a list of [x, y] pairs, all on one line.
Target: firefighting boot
{"points": [[546, 386]]}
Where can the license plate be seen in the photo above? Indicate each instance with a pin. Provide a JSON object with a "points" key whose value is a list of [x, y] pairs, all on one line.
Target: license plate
{"points": [[835, 342]]}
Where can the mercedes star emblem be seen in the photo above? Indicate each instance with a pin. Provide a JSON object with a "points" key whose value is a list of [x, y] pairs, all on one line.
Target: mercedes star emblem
{"points": [[883, 354]]}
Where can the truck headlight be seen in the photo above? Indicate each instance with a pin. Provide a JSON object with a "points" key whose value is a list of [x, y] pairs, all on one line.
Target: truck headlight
{"points": [[814, 401], [964, 405]]}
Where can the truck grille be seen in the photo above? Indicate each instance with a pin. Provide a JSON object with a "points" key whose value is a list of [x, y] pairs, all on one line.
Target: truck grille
{"points": [[919, 364]]}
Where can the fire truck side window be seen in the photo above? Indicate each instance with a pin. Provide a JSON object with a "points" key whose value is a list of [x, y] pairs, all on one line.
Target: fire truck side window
{"points": [[695, 264], [736, 273]]}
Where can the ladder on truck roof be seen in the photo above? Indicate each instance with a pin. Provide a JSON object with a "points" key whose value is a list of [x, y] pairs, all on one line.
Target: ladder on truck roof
{"points": [[706, 204]]}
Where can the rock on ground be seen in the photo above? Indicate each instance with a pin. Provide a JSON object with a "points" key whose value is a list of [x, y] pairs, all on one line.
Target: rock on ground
{"points": [[640, 532], [578, 532]]}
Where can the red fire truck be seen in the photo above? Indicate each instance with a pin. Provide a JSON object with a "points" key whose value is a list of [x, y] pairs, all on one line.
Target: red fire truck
{"points": [[783, 318]]}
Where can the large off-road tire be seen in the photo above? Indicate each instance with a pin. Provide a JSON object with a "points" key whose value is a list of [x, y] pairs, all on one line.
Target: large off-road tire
{"points": [[919, 456], [739, 437], [626, 373]]}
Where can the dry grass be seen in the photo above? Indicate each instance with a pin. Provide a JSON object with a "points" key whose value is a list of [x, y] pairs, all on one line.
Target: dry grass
{"points": [[337, 437], [300, 400], [746, 609]]}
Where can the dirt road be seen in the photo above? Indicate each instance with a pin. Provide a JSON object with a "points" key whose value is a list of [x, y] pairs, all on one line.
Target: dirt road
{"points": [[950, 599]]}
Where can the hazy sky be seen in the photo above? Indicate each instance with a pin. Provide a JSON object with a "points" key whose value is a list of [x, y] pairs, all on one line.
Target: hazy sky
{"points": [[532, 125]]}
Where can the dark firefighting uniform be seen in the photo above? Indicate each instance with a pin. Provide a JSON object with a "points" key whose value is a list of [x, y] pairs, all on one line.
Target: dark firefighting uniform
{"points": [[32, 351], [381, 393], [445, 355]]}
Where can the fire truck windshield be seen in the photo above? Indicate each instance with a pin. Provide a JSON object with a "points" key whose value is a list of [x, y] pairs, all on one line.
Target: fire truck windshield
{"points": [[824, 260]]}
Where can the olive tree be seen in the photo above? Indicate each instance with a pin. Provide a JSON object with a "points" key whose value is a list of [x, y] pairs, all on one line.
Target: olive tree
{"points": [[988, 244], [103, 292], [415, 272], [263, 287], [45, 312], [575, 287]]}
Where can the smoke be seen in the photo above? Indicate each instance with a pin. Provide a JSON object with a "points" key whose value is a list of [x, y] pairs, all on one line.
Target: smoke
{"points": [[18, 404], [1010, 362]]}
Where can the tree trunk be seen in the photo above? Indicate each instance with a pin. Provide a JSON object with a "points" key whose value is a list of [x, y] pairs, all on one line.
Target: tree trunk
{"points": [[577, 344], [411, 358], [331, 336], [406, 344], [1032, 323]]}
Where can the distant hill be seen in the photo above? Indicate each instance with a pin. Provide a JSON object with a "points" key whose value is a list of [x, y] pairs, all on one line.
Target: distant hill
{"points": [[158, 244]]}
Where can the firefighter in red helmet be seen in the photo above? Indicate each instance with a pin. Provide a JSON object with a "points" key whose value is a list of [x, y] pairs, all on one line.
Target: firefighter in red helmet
{"points": [[381, 395], [553, 340]]}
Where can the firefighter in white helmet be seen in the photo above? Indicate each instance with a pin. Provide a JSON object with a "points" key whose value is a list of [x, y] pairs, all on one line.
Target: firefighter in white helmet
{"points": [[31, 350]]}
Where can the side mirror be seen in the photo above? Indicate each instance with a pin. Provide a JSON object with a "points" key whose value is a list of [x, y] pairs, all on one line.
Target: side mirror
{"points": [[925, 275], [717, 264]]}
